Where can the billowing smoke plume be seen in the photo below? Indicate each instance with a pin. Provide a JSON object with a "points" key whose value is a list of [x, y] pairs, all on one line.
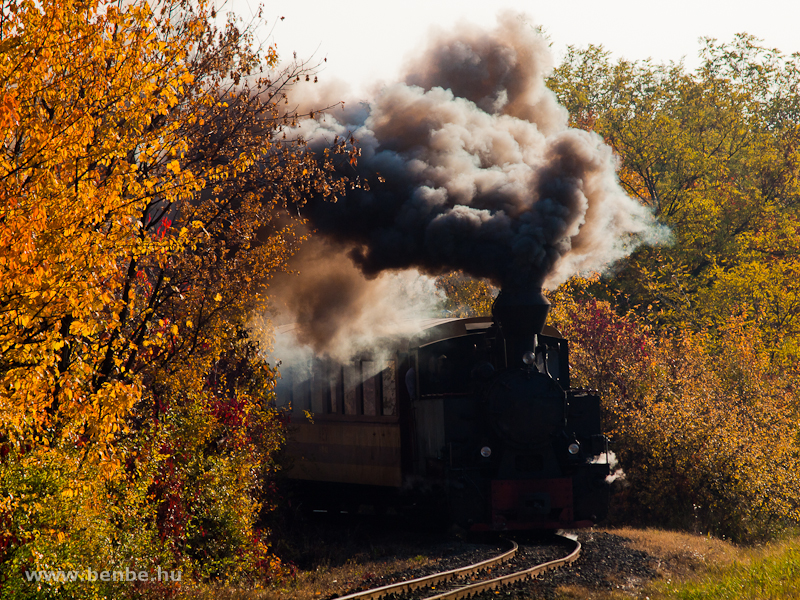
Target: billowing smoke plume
{"points": [[337, 311], [481, 172]]}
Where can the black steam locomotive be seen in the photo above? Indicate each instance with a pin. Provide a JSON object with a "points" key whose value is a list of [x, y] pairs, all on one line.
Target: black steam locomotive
{"points": [[474, 416]]}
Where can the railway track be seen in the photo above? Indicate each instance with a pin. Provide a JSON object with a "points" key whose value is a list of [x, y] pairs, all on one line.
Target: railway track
{"points": [[469, 580]]}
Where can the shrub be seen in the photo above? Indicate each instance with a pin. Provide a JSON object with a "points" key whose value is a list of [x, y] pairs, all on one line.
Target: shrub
{"points": [[705, 431]]}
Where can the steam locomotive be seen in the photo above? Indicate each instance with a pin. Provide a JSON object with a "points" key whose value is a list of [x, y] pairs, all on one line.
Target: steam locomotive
{"points": [[472, 417]]}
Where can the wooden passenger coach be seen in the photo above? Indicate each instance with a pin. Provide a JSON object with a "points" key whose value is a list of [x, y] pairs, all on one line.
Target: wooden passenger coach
{"points": [[361, 428]]}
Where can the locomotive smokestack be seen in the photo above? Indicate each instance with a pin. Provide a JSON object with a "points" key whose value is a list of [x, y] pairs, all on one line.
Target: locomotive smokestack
{"points": [[520, 312]]}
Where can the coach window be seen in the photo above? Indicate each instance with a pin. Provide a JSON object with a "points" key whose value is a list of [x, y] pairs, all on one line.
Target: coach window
{"points": [[389, 388], [361, 387], [283, 390], [351, 380], [293, 389]]}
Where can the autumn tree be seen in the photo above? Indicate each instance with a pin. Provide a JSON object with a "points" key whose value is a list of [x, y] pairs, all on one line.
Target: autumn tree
{"points": [[691, 353], [143, 172], [714, 153], [706, 440], [466, 296]]}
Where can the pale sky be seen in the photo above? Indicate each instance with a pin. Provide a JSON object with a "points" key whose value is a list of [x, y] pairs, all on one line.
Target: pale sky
{"points": [[365, 41]]}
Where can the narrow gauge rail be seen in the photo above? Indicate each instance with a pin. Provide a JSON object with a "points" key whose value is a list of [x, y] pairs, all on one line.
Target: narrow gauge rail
{"points": [[430, 580], [462, 591]]}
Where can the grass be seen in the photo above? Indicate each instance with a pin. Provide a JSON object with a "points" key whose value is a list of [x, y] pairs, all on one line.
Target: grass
{"points": [[681, 556], [695, 567], [320, 582], [772, 572], [332, 558]]}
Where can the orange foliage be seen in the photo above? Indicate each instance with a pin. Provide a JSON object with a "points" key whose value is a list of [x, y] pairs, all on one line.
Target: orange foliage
{"points": [[143, 188], [706, 436]]}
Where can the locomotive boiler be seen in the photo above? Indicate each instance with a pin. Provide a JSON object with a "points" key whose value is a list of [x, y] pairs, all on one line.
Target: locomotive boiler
{"points": [[471, 418]]}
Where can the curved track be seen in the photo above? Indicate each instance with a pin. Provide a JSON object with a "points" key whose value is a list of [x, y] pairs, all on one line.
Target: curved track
{"points": [[461, 591], [430, 580]]}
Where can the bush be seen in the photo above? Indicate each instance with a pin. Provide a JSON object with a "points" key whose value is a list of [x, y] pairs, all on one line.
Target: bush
{"points": [[188, 498], [706, 433]]}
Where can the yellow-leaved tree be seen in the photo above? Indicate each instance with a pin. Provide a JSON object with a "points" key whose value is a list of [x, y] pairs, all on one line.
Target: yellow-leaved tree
{"points": [[466, 296], [715, 152], [705, 411], [142, 182]]}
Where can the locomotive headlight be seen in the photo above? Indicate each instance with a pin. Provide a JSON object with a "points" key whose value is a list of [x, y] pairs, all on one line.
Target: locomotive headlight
{"points": [[529, 358], [574, 448], [486, 452]]}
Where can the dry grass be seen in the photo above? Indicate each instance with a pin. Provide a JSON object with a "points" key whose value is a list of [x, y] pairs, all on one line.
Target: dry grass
{"points": [[684, 563], [681, 555], [324, 581], [575, 592]]}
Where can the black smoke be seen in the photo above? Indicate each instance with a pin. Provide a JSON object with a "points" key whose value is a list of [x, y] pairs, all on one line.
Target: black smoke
{"points": [[482, 173]]}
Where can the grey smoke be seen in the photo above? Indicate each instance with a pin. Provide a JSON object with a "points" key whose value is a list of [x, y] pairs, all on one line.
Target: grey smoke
{"points": [[336, 311], [482, 174]]}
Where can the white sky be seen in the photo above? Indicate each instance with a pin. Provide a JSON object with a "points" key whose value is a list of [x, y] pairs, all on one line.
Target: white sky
{"points": [[366, 41]]}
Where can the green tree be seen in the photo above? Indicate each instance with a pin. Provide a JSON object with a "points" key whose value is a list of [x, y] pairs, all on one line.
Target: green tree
{"points": [[714, 153]]}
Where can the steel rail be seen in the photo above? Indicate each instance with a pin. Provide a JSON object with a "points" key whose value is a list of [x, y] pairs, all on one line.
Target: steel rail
{"points": [[491, 584], [429, 580]]}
